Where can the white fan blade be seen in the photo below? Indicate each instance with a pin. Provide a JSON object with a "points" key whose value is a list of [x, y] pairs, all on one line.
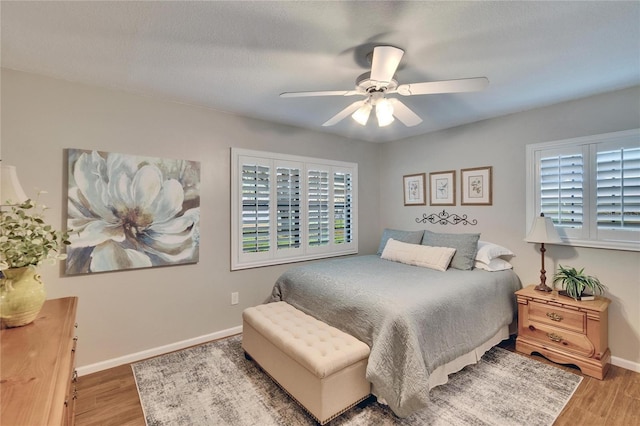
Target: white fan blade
{"points": [[445, 86], [404, 114], [343, 114], [385, 63], [323, 93]]}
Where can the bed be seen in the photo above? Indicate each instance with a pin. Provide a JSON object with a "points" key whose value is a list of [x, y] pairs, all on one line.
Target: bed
{"points": [[421, 324]]}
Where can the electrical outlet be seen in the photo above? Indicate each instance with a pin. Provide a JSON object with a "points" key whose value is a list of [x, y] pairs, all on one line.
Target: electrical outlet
{"points": [[234, 298]]}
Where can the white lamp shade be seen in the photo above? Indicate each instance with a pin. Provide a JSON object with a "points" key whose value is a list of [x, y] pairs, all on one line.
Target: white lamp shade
{"points": [[543, 231], [362, 114], [384, 112], [11, 191]]}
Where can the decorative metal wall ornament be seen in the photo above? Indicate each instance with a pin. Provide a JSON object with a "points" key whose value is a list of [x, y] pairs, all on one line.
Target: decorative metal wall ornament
{"points": [[444, 218]]}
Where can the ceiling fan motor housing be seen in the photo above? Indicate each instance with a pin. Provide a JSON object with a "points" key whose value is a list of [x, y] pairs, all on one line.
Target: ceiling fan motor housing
{"points": [[366, 85]]}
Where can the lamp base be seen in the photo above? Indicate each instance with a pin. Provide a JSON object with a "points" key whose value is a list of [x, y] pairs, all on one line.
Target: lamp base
{"points": [[543, 287]]}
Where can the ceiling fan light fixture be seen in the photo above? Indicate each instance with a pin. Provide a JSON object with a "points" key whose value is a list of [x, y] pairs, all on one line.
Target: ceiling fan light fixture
{"points": [[361, 116], [385, 120], [384, 112]]}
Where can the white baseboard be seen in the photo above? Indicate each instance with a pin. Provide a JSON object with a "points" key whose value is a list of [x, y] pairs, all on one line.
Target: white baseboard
{"points": [[629, 365], [127, 359]]}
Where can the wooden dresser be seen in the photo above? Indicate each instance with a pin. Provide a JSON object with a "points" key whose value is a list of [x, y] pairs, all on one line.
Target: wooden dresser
{"points": [[37, 368], [565, 330]]}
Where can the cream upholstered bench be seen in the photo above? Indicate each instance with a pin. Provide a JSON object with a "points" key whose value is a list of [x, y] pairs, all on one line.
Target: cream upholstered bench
{"points": [[318, 365]]}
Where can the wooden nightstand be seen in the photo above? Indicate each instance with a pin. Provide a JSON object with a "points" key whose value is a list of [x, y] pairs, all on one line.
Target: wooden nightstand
{"points": [[564, 330]]}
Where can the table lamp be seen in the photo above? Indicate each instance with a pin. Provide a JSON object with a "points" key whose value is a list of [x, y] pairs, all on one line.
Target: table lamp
{"points": [[543, 232]]}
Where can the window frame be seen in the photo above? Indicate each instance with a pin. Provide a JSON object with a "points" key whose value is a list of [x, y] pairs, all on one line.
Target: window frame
{"points": [[274, 255], [589, 235]]}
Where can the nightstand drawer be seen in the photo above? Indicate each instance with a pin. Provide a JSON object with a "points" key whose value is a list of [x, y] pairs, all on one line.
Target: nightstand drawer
{"points": [[554, 337], [557, 316]]}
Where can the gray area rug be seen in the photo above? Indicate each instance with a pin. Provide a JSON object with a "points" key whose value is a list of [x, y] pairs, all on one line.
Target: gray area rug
{"points": [[213, 384]]}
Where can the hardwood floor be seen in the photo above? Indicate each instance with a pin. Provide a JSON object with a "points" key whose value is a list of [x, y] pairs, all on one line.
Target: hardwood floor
{"points": [[612, 401], [110, 397]]}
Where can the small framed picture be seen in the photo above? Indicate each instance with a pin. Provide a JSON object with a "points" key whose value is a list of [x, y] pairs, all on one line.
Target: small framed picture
{"points": [[476, 186], [414, 190], [442, 188]]}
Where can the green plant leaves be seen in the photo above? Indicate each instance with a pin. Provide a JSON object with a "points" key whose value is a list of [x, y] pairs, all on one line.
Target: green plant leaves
{"points": [[575, 282], [25, 238]]}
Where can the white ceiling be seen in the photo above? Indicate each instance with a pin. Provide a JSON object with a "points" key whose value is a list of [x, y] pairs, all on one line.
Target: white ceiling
{"points": [[239, 56]]}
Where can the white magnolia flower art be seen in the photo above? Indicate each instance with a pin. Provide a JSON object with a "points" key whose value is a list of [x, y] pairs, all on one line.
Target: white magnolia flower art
{"points": [[127, 212]]}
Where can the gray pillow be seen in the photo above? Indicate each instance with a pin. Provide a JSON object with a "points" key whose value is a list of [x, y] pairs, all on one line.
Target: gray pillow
{"points": [[466, 246], [411, 237]]}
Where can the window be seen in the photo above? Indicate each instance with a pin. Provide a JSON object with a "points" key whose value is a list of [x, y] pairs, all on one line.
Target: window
{"points": [[286, 208], [590, 187]]}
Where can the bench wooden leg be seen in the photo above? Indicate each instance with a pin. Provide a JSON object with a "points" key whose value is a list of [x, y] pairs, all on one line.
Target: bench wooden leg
{"points": [[247, 356]]}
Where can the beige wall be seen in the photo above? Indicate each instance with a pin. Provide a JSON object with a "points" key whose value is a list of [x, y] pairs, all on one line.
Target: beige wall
{"points": [[501, 143], [121, 313]]}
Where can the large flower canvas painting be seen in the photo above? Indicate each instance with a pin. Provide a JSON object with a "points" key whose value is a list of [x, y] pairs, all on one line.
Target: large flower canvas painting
{"points": [[127, 212]]}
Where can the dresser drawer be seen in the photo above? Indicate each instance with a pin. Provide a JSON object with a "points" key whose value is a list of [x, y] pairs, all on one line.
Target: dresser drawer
{"points": [[555, 337], [71, 394], [37, 367], [557, 316]]}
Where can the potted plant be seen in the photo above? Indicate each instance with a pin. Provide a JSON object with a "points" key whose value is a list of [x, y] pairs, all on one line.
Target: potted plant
{"points": [[26, 242], [576, 282]]}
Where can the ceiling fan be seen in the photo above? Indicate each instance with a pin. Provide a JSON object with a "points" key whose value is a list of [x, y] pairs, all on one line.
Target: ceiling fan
{"points": [[376, 85]]}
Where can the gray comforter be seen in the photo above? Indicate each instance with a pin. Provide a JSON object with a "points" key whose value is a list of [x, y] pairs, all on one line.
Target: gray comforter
{"points": [[414, 319]]}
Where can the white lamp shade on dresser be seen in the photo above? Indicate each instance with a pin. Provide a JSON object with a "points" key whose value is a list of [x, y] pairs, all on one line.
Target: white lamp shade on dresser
{"points": [[11, 191]]}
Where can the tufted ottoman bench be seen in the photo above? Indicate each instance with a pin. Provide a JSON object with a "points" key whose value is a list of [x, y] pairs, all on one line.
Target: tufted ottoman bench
{"points": [[318, 365]]}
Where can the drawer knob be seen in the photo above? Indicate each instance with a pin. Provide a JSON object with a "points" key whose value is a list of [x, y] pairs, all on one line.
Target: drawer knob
{"points": [[554, 337], [554, 316]]}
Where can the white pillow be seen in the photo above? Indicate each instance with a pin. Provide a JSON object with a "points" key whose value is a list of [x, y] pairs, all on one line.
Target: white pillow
{"points": [[437, 258], [494, 265], [488, 251]]}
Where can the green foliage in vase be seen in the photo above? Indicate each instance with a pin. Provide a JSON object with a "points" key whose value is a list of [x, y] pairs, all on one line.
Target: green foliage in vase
{"points": [[575, 282], [25, 238]]}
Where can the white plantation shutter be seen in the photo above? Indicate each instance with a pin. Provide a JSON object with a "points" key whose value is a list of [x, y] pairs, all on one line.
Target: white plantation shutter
{"points": [[287, 208], [255, 208], [590, 187], [342, 208], [561, 189], [288, 213], [618, 189], [318, 207]]}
